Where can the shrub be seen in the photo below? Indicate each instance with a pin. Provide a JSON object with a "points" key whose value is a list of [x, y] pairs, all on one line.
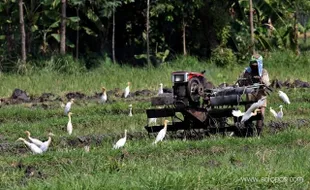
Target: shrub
{"points": [[223, 57]]}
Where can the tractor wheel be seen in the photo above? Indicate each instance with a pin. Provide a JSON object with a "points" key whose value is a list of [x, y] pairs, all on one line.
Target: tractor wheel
{"points": [[195, 89]]}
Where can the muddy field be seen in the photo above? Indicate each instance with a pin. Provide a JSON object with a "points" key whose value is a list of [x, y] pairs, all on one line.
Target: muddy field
{"points": [[49, 100]]}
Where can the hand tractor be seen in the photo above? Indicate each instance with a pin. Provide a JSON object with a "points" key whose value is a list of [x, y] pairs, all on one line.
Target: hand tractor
{"points": [[196, 109]]}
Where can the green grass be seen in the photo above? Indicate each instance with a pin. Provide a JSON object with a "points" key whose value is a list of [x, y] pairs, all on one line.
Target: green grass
{"points": [[215, 162], [281, 65]]}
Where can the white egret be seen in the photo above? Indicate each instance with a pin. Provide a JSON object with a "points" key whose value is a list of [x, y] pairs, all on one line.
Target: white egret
{"points": [[278, 115], [130, 110], [161, 90], [86, 148], [162, 133], [127, 90], [121, 142], [68, 106], [284, 97], [69, 125], [34, 148], [247, 115], [256, 105], [103, 97], [33, 140], [47, 143], [237, 113]]}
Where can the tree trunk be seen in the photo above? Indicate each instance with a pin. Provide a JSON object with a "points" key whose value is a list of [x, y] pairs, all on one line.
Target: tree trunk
{"points": [[113, 36], [9, 33], [22, 31], [252, 28], [305, 36], [147, 32], [296, 47], [184, 38], [63, 28], [77, 36]]}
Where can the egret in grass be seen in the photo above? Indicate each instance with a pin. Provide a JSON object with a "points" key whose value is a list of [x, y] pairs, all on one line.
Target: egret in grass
{"points": [[44, 146], [68, 106], [86, 148], [103, 97], [162, 133], [121, 142], [284, 97], [33, 147], [69, 125], [33, 140], [130, 110], [160, 90], [278, 115], [127, 90], [247, 115]]}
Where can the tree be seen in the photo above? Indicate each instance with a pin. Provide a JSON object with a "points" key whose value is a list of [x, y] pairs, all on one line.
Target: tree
{"points": [[148, 32], [63, 27], [22, 31]]}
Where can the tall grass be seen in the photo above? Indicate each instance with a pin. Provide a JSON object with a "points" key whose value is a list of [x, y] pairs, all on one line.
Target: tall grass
{"points": [[281, 65]]}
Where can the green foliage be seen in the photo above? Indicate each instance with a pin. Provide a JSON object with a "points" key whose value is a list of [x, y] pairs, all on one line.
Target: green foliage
{"points": [[65, 64], [223, 57]]}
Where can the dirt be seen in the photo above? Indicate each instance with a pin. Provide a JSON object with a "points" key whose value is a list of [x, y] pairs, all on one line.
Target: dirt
{"points": [[288, 84], [277, 126], [20, 96]]}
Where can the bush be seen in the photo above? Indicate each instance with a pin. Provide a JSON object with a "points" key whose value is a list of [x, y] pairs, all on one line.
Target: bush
{"points": [[65, 64], [223, 57]]}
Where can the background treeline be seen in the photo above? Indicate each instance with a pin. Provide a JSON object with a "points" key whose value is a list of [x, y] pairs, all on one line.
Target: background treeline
{"points": [[87, 30]]}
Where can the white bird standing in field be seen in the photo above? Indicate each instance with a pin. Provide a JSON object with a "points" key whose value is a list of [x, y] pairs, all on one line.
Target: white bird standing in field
{"points": [[86, 148], [278, 115], [284, 97], [161, 90], [162, 133], [34, 140], [47, 143], [247, 115], [69, 125], [127, 90], [34, 148], [68, 106], [130, 110], [121, 142], [103, 97]]}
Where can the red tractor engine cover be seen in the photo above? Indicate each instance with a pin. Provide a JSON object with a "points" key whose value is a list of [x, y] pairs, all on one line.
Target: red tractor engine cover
{"points": [[186, 76]]}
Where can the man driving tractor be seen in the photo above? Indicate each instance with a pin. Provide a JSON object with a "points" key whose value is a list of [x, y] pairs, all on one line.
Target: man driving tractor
{"points": [[256, 74]]}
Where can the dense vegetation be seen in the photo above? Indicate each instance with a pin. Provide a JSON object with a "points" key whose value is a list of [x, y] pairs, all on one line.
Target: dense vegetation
{"points": [[89, 30]]}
